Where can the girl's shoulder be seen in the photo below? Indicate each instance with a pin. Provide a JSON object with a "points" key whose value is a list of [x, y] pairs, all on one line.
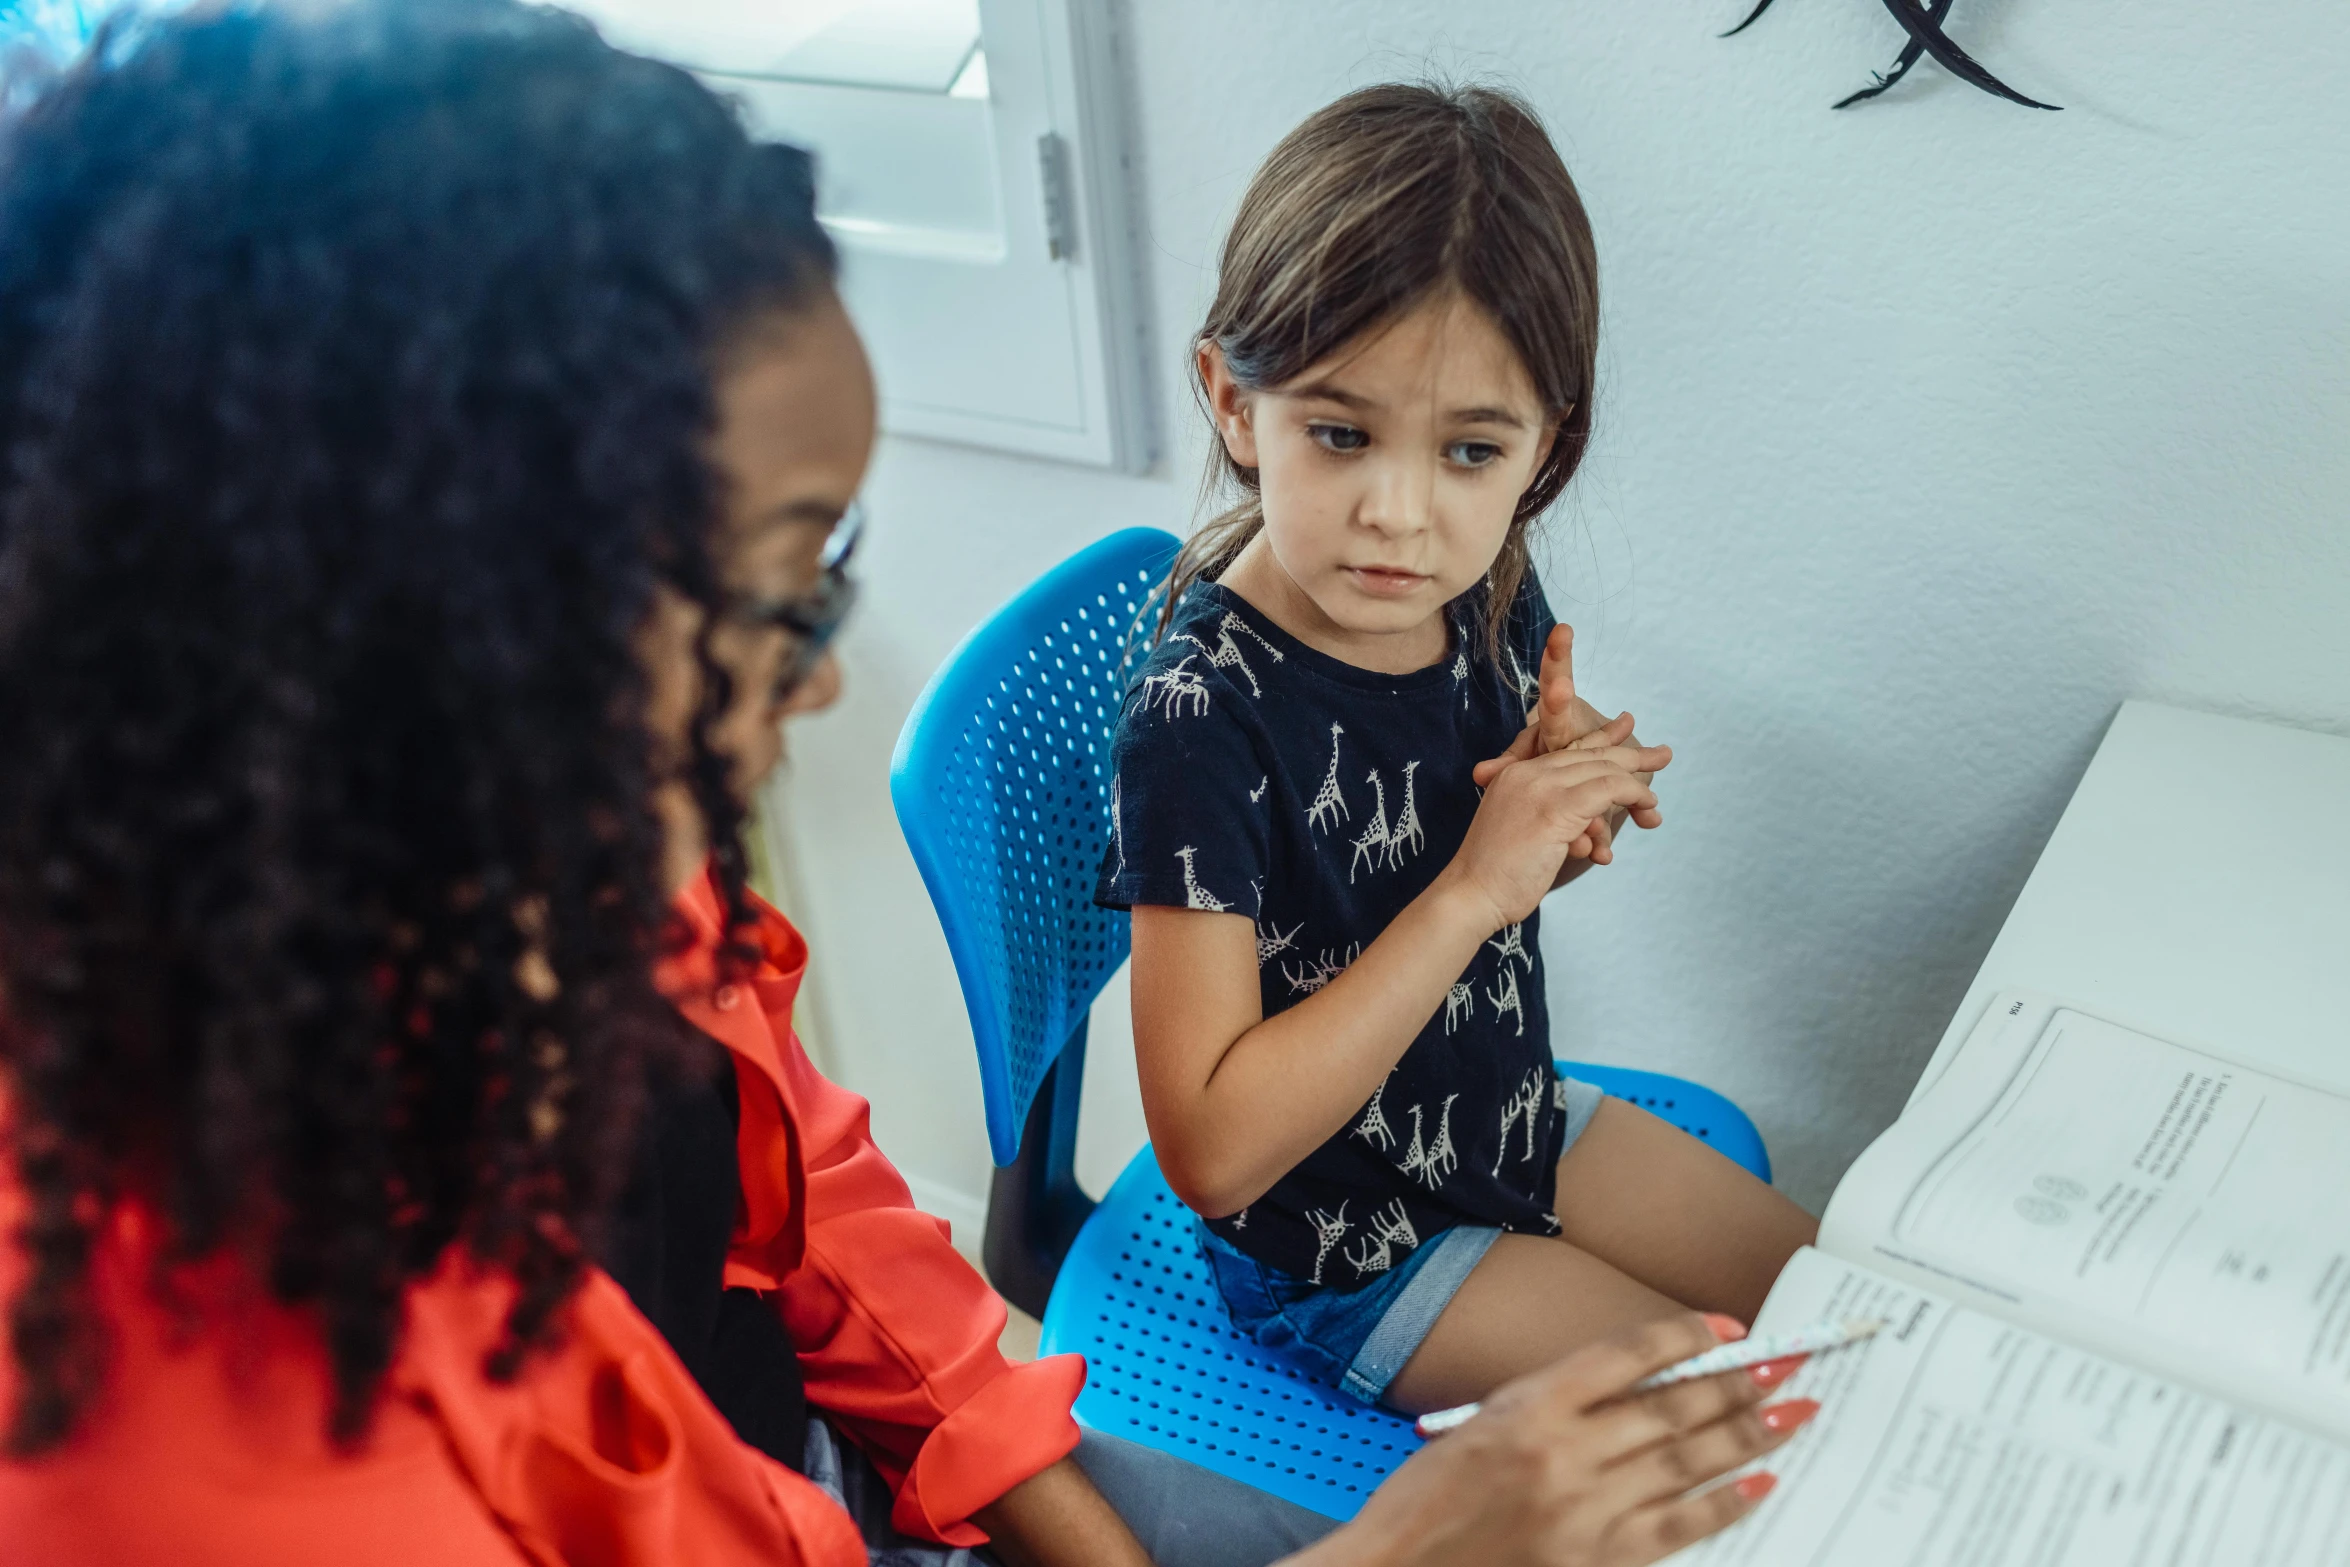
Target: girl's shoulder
{"points": [[1211, 657], [1183, 710], [1195, 617], [1524, 630], [1210, 615]]}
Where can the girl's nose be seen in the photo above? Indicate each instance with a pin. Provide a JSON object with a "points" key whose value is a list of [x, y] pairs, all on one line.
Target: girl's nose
{"points": [[1401, 499]]}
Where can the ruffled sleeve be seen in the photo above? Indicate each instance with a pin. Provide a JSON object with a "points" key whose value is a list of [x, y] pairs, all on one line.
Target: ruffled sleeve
{"points": [[896, 1332]]}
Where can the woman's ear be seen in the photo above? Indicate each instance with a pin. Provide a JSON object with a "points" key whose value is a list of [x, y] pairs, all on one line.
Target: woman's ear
{"points": [[1230, 405]]}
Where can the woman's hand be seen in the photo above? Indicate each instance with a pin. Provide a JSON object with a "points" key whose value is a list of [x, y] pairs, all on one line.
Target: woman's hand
{"points": [[1535, 810], [1562, 1469]]}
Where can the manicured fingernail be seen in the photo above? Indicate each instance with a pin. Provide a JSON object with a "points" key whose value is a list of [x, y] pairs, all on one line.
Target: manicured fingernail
{"points": [[1773, 1372], [1757, 1486], [1787, 1416], [1725, 1328]]}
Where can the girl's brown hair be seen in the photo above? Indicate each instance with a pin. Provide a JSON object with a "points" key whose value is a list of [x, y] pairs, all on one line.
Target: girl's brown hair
{"points": [[1385, 198]]}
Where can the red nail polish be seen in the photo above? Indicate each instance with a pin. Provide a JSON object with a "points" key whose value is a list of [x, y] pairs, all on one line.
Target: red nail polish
{"points": [[1725, 1328], [1773, 1372], [1757, 1486], [1787, 1416]]}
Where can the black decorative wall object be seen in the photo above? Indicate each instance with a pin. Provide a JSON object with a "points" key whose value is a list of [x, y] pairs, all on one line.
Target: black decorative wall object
{"points": [[1923, 22]]}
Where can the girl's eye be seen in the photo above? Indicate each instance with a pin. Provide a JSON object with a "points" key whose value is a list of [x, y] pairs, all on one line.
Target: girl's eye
{"points": [[1337, 437], [1471, 454]]}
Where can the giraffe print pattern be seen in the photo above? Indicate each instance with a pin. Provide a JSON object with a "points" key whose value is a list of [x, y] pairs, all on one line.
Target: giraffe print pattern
{"points": [[1373, 1127], [1329, 807], [1528, 688], [1117, 827], [1431, 1162], [1272, 943], [1384, 845], [1390, 1229], [1507, 1002], [1194, 895], [1522, 1109], [1181, 691], [1329, 1229], [1317, 972], [1226, 654]]}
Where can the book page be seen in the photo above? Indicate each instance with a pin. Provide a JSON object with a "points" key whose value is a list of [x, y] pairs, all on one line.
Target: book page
{"points": [[1957, 1440], [2131, 1195]]}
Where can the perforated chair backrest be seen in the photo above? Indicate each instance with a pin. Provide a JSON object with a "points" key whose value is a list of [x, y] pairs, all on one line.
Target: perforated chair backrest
{"points": [[1002, 787]]}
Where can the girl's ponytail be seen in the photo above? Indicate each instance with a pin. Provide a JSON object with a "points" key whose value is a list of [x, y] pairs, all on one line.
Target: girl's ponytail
{"points": [[1213, 545]]}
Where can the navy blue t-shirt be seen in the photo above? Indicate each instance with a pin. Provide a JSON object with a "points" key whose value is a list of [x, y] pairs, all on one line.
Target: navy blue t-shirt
{"points": [[1257, 776]]}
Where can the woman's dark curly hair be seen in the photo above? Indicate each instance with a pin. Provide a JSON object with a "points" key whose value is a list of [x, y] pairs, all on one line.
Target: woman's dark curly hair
{"points": [[355, 390]]}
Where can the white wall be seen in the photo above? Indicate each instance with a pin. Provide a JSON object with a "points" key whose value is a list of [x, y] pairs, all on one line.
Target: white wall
{"points": [[1929, 431]]}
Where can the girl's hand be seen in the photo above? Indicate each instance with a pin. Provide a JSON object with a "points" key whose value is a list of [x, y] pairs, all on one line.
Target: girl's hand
{"points": [[1561, 720], [1561, 1469], [1536, 809], [1560, 717]]}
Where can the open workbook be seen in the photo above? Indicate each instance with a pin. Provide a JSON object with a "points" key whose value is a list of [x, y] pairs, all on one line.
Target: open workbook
{"points": [[2117, 1277]]}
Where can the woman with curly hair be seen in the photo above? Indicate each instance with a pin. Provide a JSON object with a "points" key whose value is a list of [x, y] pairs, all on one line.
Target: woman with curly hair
{"points": [[424, 438]]}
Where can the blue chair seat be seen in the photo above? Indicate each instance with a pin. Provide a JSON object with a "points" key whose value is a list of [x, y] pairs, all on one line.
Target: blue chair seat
{"points": [[1166, 1368], [1694, 1108]]}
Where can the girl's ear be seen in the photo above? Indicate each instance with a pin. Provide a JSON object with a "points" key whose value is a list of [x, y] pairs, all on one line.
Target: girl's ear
{"points": [[1550, 438], [1543, 445], [1230, 405]]}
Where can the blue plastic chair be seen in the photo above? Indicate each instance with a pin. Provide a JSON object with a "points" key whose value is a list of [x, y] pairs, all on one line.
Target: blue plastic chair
{"points": [[1002, 789]]}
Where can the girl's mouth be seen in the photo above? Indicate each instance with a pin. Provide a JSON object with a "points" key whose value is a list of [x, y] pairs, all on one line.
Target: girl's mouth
{"points": [[1385, 582]]}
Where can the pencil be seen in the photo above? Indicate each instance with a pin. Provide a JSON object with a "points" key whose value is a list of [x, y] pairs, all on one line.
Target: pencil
{"points": [[1725, 1357]]}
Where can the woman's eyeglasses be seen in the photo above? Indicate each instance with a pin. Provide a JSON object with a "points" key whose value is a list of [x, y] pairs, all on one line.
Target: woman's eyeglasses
{"points": [[814, 618]]}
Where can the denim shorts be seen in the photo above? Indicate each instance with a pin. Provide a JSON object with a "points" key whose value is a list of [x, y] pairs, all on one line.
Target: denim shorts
{"points": [[1357, 1340]]}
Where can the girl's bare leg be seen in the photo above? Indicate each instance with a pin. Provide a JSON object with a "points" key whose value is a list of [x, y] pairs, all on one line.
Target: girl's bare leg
{"points": [[1667, 1210], [1528, 1301], [1653, 1223]]}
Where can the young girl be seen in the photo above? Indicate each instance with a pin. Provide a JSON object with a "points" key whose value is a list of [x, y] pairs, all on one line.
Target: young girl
{"points": [[1354, 765]]}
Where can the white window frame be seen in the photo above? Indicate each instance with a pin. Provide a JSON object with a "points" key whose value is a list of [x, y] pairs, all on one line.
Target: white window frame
{"points": [[1029, 338]]}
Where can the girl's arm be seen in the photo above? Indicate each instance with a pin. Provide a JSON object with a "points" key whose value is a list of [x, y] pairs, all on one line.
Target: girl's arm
{"points": [[1235, 1099]]}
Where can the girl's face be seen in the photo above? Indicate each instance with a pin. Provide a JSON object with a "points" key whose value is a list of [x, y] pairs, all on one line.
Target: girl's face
{"points": [[796, 422], [1390, 473]]}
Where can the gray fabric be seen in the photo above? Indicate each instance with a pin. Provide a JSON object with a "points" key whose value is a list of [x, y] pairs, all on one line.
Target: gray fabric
{"points": [[1184, 1515], [849, 1478], [1187, 1516]]}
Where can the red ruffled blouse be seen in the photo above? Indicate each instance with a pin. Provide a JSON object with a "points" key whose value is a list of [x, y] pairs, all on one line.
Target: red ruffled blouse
{"points": [[208, 1446]]}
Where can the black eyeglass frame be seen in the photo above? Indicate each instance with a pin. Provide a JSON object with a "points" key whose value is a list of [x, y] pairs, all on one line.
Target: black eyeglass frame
{"points": [[815, 617]]}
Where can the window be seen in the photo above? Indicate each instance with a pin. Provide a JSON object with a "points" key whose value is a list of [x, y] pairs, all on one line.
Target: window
{"points": [[970, 170]]}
